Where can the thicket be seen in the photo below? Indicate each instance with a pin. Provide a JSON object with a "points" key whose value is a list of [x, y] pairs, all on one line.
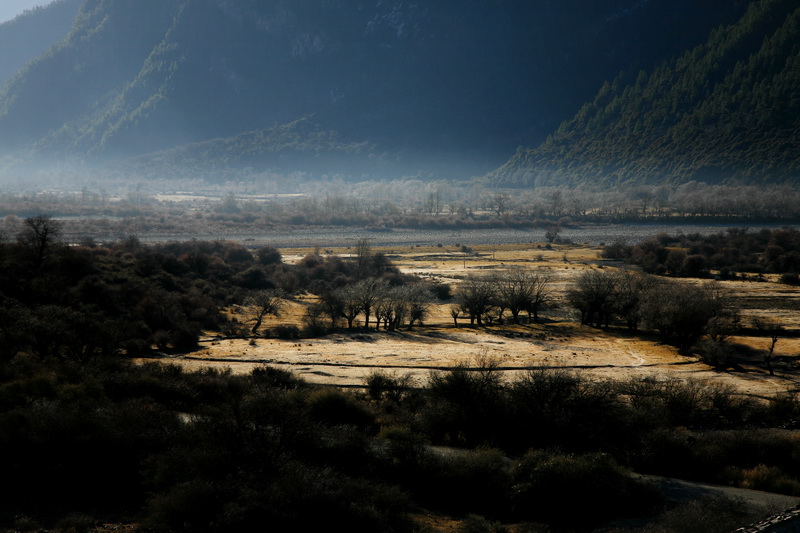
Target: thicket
{"points": [[107, 441], [731, 252], [80, 302]]}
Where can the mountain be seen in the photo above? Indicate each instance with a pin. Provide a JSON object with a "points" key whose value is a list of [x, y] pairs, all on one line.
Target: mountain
{"points": [[726, 111], [28, 35], [449, 87]]}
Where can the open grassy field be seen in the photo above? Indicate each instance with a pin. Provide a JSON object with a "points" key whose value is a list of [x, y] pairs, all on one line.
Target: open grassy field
{"points": [[347, 358]]}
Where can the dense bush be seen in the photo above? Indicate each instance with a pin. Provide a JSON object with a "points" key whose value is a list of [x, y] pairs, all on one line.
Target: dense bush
{"points": [[213, 451], [548, 485], [681, 313], [734, 250], [81, 302]]}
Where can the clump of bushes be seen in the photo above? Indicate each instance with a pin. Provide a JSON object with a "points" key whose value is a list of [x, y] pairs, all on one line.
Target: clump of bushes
{"points": [[214, 451], [730, 251]]}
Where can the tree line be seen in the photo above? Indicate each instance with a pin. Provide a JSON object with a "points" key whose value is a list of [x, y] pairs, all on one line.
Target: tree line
{"points": [[242, 207], [735, 250], [85, 301]]}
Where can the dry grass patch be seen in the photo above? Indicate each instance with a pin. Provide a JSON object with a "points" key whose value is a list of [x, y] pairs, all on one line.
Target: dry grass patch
{"points": [[347, 358]]}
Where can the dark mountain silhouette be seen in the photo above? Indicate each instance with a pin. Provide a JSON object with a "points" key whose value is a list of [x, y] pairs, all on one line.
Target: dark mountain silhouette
{"points": [[727, 110], [447, 87]]}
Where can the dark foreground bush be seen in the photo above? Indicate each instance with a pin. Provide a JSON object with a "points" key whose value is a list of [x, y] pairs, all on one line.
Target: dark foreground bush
{"points": [[548, 486], [214, 451], [709, 515]]}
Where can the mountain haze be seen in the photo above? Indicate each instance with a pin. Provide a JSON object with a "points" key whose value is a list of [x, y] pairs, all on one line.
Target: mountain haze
{"points": [[30, 34], [446, 88], [727, 110]]}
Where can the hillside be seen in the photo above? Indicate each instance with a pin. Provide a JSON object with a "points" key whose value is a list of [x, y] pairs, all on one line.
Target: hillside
{"points": [[27, 36], [725, 111], [448, 87]]}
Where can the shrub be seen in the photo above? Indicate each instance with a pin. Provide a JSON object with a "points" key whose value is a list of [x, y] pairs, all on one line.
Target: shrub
{"points": [[381, 385], [766, 478], [475, 481], [466, 407], [287, 332], [715, 354], [76, 523], [790, 278], [478, 524], [335, 407], [275, 377], [546, 486], [714, 514]]}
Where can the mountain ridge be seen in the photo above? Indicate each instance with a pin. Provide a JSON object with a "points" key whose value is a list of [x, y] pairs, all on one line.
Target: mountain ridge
{"points": [[727, 110], [451, 85], [28, 35]]}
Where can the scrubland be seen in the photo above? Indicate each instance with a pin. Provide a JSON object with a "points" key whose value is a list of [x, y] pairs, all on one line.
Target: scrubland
{"points": [[205, 386]]}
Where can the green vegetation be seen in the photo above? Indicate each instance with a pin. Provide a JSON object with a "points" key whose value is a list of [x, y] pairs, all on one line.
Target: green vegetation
{"points": [[726, 110]]}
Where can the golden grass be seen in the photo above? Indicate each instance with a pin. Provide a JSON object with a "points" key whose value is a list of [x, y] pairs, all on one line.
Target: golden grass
{"points": [[346, 359]]}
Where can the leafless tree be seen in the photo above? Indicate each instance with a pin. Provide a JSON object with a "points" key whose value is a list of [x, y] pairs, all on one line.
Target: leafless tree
{"points": [[39, 235], [593, 295], [476, 297], [773, 329], [455, 311], [363, 254], [351, 306], [265, 302], [522, 290], [369, 291], [418, 298]]}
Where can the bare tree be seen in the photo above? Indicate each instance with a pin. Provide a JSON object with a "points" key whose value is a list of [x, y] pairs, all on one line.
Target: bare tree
{"points": [[418, 298], [39, 235], [681, 312], [351, 306], [476, 297], [500, 204], [593, 295], [392, 309], [540, 293], [332, 304], [265, 302], [773, 329], [552, 233], [455, 311], [369, 291], [363, 255], [522, 290]]}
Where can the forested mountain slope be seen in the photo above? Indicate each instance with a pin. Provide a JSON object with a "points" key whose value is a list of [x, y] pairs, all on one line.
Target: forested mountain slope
{"points": [[446, 84], [27, 36], [727, 110]]}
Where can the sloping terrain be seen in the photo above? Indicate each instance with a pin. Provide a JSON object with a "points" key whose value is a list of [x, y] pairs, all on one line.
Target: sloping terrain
{"points": [[728, 110], [447, 87]]}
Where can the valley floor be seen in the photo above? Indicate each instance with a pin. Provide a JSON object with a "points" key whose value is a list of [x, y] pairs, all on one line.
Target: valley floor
{"points": [[346, 358]]}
